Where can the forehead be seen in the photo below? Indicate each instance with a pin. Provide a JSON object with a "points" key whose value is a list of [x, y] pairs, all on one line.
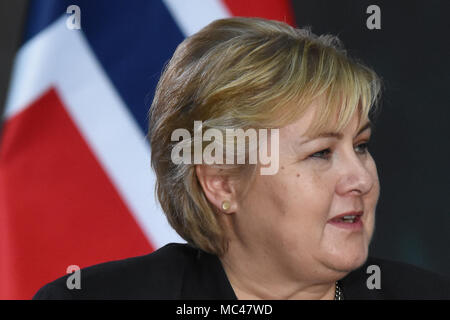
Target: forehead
{"points": [[300, 129]]}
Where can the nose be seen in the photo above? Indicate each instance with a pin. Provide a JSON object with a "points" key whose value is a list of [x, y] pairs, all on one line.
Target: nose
{"points": [[355, 174]]}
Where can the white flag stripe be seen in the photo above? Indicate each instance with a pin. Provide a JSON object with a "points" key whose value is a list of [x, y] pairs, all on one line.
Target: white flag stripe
{"points": [[193, 15], [62, 58]]}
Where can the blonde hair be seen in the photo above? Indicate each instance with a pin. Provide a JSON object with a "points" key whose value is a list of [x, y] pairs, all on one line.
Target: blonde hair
{"points": [[242, 73]]}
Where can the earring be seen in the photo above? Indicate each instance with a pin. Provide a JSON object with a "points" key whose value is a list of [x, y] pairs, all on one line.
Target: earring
{"points": [[226, 205]]}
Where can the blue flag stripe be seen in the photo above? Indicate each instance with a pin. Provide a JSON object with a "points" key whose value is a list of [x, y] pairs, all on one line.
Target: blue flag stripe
{"points": [[131, 39]]}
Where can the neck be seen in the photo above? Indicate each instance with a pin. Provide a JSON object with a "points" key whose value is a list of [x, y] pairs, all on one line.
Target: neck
{"points": [[255, 279]]}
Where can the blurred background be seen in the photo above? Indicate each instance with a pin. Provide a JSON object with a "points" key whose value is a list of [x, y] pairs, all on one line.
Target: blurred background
{"points": [[75, 86]]}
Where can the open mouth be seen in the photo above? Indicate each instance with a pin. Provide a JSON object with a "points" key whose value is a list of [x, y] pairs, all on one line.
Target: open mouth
{"points": [[348, 221]]}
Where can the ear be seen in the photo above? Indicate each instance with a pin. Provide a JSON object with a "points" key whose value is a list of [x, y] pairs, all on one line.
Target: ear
{"points": [[217, 187]]}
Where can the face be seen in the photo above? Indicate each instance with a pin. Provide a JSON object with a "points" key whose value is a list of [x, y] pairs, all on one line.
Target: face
{"points": [[287, 217]]}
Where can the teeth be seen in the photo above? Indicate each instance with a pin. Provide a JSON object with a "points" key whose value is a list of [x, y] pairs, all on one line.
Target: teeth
{"points": [[348, 219]]}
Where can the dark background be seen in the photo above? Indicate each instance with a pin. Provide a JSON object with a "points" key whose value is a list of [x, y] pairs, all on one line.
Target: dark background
{"points": [[411, 53], [411, 142]]}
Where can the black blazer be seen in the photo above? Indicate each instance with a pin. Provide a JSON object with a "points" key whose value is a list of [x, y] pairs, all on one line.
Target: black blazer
{"points": [[179, 271]]}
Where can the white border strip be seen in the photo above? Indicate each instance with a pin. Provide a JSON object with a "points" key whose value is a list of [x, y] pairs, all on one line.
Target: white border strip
{"points": [[62, 58]]}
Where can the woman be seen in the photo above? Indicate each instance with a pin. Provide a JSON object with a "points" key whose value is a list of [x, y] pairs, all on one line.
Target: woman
{"points": [[301, 231]]}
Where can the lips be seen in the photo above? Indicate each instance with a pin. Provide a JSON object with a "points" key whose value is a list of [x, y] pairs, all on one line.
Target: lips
{"points": [[348, 220], [346, 215]]}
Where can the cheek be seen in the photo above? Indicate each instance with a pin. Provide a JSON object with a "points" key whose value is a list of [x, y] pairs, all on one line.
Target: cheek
{"points": [[303, 203], [264, 204], [262, 221], [279, 197], [288, 209], [316, 192]]}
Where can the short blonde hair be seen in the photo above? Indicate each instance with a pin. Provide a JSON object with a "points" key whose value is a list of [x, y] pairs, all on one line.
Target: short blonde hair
{"points": [[242, 73]]}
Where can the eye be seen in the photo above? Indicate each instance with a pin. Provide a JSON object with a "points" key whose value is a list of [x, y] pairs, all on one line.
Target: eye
{"points": [[364, 147], [324, 154]]}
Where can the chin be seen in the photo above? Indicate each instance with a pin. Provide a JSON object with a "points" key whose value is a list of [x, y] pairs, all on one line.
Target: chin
{"points": [[349, 260], [351, 253]]}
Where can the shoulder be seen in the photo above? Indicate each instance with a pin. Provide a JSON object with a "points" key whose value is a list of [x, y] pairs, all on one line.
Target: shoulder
{"points": [[386, 279], [157, 275]]}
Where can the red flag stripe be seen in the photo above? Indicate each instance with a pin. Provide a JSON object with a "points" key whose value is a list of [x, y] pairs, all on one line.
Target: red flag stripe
{"points": [[280, 10], [61, 199]]}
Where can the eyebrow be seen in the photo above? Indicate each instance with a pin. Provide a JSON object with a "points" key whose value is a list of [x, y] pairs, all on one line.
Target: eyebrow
{"points": [[338, 135]]}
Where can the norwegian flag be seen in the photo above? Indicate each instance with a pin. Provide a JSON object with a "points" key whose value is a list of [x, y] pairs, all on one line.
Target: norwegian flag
{"points": [[76, 186]]}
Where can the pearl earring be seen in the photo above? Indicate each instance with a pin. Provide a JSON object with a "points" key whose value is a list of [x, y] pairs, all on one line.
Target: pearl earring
{"points": [[226, 205]]}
